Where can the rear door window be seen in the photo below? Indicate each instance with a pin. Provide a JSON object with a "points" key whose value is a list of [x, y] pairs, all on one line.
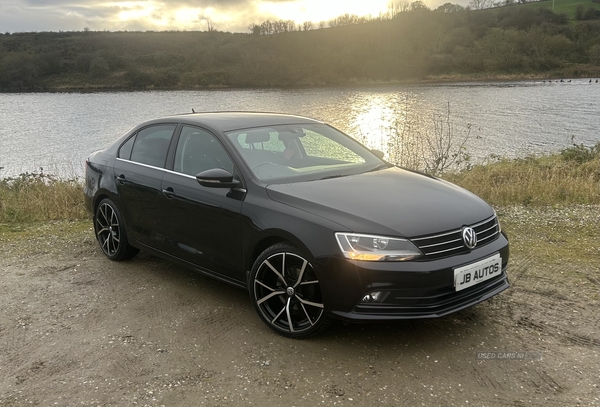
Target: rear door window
{"points": [[152, 144]]}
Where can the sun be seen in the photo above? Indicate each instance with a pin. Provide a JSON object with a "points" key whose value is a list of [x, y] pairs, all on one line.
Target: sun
{"points": [[322, 10]]}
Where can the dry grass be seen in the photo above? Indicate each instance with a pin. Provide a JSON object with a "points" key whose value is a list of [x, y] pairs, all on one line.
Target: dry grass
{"points": [[572, 177], [40, 197]]}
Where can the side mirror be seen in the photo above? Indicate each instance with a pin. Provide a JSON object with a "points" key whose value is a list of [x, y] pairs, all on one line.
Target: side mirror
{"points": [[378, 153], [217, 178]]}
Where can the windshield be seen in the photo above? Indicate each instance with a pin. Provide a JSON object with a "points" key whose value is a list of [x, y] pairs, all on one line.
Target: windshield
{"points": [[301, 152]]}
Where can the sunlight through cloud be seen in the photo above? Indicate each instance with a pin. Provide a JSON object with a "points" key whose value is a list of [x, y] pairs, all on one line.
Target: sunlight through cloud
{"points": [[319, 10]]}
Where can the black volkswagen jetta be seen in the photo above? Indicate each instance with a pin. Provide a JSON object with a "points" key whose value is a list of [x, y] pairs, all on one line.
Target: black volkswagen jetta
{"points": [[315, 225]]}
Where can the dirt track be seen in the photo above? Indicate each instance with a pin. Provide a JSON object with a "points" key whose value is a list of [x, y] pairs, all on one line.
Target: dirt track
{"points": [[79, 330]]}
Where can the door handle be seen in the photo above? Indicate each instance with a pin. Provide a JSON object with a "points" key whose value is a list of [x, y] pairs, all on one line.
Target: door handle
{"points": [[121, 179], [169, 193]]}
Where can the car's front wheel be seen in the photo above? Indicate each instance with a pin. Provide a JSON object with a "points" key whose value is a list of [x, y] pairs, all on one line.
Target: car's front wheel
{"points": [[286, 292], [111, 233]]}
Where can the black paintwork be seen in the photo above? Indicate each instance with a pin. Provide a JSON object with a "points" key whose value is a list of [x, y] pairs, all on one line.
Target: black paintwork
{"points": [[220, 230]]}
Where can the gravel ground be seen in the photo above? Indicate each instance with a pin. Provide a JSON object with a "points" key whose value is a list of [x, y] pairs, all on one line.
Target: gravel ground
{"points": [[79, 330]]}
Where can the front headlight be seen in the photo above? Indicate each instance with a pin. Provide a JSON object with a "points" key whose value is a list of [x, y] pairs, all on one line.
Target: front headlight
{"points": [[376, 248]]}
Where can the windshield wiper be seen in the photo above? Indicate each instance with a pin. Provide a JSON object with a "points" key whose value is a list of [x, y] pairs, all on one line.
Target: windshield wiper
{"points": [[380, 166], [332, 176]]}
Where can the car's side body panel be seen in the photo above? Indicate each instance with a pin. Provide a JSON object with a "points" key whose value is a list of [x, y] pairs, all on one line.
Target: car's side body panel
{"points": [[139, 190], [202, 225]]}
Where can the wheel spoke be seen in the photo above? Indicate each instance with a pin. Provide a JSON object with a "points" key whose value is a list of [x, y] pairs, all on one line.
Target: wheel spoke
{"points": [[115, 243], [106, 245], [275, 271], [289, 317], [312, 304], [264, 285], [306, 313], [113, 219], [309, 282], [270, 295], [304, 263], [104, 229], [277, 316], [103, 212]]}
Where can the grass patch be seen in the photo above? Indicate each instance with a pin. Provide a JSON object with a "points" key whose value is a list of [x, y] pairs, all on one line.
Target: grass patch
{"points": [[34, 197], [20, 232], [564, 235], [569, 7], [571, 177]]}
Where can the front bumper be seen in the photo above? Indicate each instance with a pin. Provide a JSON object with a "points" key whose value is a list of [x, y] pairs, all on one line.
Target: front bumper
{"points": [[409, 290]]}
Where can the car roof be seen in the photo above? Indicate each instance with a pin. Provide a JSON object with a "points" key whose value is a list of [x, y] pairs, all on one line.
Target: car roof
{"points": [[229, 121]]}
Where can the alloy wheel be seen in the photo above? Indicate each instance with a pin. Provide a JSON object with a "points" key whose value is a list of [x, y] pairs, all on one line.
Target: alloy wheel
{"points": [[108, 229], [287, 294]]}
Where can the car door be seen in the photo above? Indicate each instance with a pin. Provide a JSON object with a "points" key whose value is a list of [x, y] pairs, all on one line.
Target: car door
{"points": [[139, 170], [203, 225]]}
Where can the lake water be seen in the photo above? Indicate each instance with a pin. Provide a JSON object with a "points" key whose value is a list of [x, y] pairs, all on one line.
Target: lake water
{"points": [[57, 131]]}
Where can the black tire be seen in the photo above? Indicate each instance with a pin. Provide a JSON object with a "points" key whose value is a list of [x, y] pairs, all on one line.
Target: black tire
{"points": [[110, 232], [286, 293]]}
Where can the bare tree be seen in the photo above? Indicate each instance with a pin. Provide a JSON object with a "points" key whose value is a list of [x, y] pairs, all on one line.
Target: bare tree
{"points": [[266, 28], [210, 27], [480, 4], [308, 25], [418, 6], [449, 8], [254, 29], [347, 19]]}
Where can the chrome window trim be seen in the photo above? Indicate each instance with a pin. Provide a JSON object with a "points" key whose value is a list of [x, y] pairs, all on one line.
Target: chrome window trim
{"points": [[170, 171]]}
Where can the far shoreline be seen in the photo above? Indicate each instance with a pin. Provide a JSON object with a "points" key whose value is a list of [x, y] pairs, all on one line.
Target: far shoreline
{"points": [[432, 80]]}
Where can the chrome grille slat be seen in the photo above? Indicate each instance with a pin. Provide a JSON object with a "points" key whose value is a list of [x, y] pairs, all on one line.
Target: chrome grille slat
{"points": [[436, 236], [451, 242], [443, 251], [439, 244], [492, 227], [487, 237]]}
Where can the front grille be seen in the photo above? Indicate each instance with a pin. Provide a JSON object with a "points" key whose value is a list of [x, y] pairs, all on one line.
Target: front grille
{"points": [[451, 243]]}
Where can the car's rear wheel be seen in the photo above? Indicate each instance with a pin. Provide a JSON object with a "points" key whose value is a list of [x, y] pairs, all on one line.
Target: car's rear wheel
{"points": [[111, 233], [286, 292]]}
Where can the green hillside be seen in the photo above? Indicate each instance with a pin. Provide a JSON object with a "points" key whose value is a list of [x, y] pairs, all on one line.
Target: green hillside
{"points": [[521, 41], [569, 7]]}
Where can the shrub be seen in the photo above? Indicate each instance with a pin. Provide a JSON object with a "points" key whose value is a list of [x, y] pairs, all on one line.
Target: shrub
{"points": [[580, 154]]}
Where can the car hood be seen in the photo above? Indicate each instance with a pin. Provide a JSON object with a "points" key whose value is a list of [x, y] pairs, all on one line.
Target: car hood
{"points": [[393, 201]]}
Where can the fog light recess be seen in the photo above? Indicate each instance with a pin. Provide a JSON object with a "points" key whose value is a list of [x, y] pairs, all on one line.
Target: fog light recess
{"points": [[375, 296]]}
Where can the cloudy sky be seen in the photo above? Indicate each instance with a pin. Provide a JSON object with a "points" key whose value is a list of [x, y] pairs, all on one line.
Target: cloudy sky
{"points": [[224, 15]]}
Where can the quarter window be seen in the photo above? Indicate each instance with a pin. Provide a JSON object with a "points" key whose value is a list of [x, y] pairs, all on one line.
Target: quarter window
{"points": [[197, 151], [151, 145], [125, 150]]}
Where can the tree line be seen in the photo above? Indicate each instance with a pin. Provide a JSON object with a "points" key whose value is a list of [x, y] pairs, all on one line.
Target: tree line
{"points": [[408, 43]]}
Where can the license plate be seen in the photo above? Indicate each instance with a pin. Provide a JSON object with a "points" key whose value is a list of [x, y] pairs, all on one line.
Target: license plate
{"points": [[476, 273]]}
